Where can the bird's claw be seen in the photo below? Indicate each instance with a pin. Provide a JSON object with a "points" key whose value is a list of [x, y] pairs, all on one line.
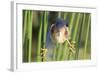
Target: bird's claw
{"points": [[43, 54]]}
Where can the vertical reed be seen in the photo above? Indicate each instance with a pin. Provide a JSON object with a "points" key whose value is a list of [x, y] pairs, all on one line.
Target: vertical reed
{"points": [[25, 54], [39, 38], [30, 34], [86, 40], [76, 26], [27, 36], [71, 25], [24, 24], [76, 29], [59, 14], [79, 33], [45, 28], [45, 20], [59, 48]]}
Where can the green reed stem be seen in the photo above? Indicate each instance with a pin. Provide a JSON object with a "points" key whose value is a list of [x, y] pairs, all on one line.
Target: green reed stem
{"points": [[65, 16], [54, 53], [45, 32], [45, 28], [78, 39], [59, 51], [25, 24], [39, 39], [76, 29], [59, 14], [87, 34], [25, 53], [72, 21], [76, 26], [30, 34]]}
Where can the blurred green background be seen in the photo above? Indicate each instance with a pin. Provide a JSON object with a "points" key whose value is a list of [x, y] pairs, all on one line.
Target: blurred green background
{"points": [[35, 27]]}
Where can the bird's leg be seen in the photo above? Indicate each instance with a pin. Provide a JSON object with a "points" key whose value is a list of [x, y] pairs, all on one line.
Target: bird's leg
{"points": [[43, 54]]}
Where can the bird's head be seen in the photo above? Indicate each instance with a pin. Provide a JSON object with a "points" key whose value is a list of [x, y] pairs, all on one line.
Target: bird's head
{"points": [[59, 31]]}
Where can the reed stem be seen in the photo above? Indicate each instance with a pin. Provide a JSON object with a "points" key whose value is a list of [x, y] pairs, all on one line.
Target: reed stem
{"points": [[86, 40], [39, 39], [72, 21], [45, 32], [30, 34]]}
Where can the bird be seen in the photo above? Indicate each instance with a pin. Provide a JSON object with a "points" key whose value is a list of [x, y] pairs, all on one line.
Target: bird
{"points": [[57, 33], [60, 33]]}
